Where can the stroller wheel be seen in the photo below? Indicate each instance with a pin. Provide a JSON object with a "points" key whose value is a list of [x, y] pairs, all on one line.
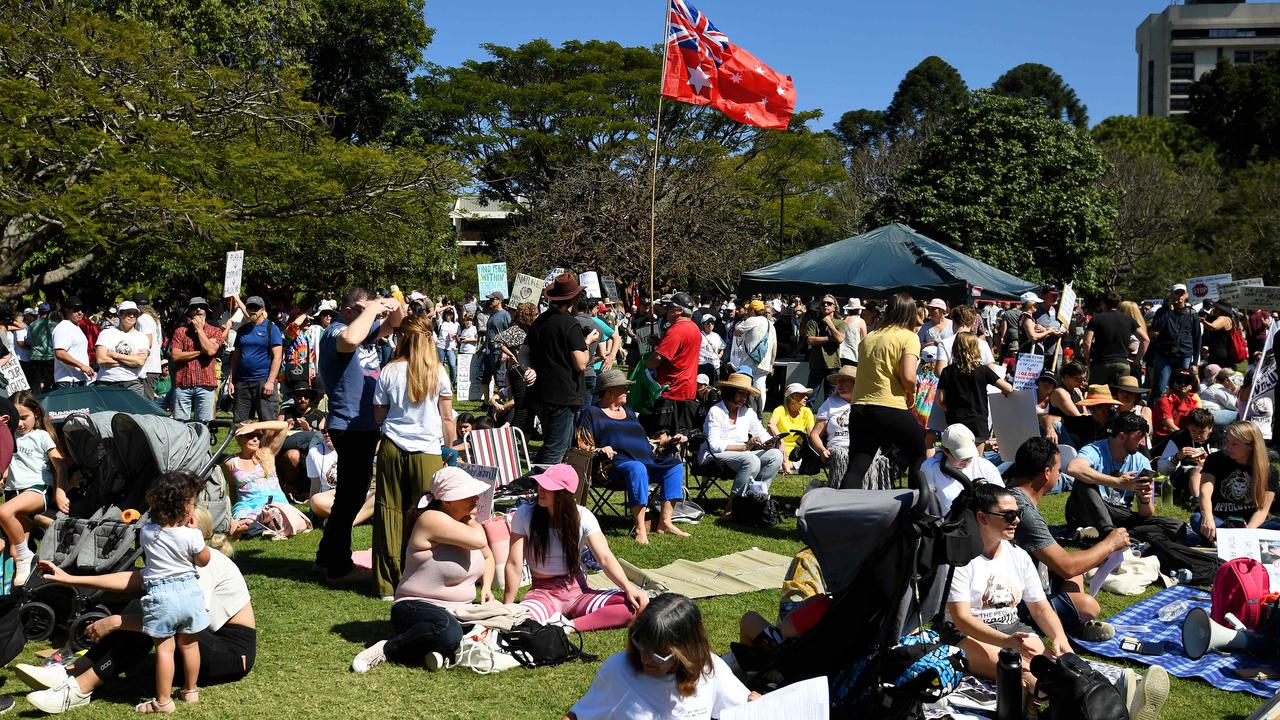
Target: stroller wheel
{"points": [[77, 631], [38, 621]]}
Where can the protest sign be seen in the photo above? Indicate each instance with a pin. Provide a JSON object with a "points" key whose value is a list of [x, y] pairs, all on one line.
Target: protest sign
{"points": [[1013, 419], [469, 374], [493, 278], [231, 278], [644, 335], [486, 474], [551, 275], [1264, 377], [591, 281], [1257, 297], [1204, 288], [15, 379], [1231, 290], [1028, 369], [610, 287], [1260, 545], [1066, 305], [527, 289]]}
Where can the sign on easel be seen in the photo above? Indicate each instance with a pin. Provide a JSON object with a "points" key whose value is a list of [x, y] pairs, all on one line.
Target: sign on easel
{"points": [[231, 279]]}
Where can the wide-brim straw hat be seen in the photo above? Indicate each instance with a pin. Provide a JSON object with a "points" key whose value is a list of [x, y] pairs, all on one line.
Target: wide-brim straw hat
{"points": [[738, 381], [1129, 384], [848, 372], [1098, 395]]}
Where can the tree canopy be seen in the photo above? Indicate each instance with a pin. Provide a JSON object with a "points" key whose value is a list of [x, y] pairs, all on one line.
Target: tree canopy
{"points": [[925, 96], [1238, 108], [1041, 85]]}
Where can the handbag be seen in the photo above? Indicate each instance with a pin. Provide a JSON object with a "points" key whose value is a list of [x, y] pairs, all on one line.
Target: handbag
{"points": [[535, 645], [284, 519], [479, 652]]}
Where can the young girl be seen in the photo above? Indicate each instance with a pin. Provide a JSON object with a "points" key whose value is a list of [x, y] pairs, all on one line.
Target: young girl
{"points": [[962, 388], [468, 336], [37, 469], [173, 604]]}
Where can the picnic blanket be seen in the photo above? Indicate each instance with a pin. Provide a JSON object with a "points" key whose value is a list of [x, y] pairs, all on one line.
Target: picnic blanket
{"points": [[745, 571], [1214, 668]]}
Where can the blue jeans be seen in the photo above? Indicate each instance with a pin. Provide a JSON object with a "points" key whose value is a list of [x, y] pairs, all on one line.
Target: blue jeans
{"points": [[193, 403], [450, 359], [1162, 366], [1197, 518], [751, 466], [638, 476], [557, 432], [421, 627]]}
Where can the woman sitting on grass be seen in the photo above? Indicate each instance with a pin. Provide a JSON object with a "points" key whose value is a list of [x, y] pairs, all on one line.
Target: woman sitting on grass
{"points": [[253, 471], [667, 671], [550, 534]]}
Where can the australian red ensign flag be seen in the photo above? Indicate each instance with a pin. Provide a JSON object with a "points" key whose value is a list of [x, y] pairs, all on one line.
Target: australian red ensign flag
{"points": [[704, 67]]}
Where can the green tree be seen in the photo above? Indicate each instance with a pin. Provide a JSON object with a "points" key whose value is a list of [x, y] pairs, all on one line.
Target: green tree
{"points": [[1238, 107], [1040, 84], [122, 150], [1001, 181], [859, 129], [927, 93]]}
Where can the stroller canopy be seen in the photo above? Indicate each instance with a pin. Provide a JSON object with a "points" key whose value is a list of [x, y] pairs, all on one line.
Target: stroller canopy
{"points": [[151, 446], [845, 528]]}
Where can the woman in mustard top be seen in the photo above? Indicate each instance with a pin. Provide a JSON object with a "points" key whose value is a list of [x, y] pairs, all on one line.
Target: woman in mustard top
{"points": [[792, 414], [885, 391]]}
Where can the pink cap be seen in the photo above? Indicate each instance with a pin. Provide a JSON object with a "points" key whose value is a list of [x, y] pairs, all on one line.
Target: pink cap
{"points": [[558, 477]]}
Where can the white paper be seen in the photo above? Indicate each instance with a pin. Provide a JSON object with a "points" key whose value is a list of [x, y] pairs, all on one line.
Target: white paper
{"points": [[1257, 297], [486, 474], [1231, 290], [808, 699], [1066, 305], [16, 380], [591, 281], [1028, 369], [1111, 563], [1013, 420], [1260, 545], [231, 279]]}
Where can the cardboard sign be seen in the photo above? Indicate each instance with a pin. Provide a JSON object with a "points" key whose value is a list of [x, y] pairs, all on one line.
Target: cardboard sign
{"points": [[15, 379], [551, 275], [610, 288], [469, 373], [1066, 305], [644, 339], [486, 474], [1028, 369], [1231, 290], [527, 289], [234, 274], [1257, 297], [591, 281], [1204, 288], [493, 278]]}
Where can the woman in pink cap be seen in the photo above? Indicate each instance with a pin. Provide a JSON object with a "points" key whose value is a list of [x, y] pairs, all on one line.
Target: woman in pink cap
{"points": [[447, 554], [555, 529]]}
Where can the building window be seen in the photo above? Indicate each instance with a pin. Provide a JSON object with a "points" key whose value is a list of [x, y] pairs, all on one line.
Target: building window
{"points": [[1180, 88], [1182, 58], [1182, 73], [1243, 57], [1259, 55], [1182, 104], [1151, 87]]}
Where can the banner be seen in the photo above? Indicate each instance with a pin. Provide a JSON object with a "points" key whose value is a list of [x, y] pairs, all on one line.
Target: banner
{"points": [[1257, 297], [1066, 305], [591, 281], [610, 287], [493, 278], [1204, 288], [15, 379], [527, 289], [1231, 290], [1028, 369], [234, 273], [1264, 376]]}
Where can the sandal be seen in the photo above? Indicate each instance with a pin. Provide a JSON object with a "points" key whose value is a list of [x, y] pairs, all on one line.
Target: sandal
{"points": [[151, 706], [189, 697]]}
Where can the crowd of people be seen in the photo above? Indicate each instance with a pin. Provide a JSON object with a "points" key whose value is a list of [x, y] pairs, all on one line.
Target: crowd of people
{"points": [[320, 395]]}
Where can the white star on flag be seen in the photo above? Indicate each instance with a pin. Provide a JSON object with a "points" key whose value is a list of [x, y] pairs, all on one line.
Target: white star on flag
{"points": [[698, 79], [780, 90], [764, 101], [759, 69], [735, 78]]}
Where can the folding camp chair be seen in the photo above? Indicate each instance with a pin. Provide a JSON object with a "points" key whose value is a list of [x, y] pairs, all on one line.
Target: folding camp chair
{"points": [[706, 476], [500, 447]]}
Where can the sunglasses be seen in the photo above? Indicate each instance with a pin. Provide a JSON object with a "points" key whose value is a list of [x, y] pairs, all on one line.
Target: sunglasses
{"points": [[660, 659], [1009, 516]]}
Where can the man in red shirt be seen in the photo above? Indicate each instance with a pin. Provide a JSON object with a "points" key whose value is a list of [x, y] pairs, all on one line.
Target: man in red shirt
{"points": [[1174, 406], [194, 351], [675, 365]]}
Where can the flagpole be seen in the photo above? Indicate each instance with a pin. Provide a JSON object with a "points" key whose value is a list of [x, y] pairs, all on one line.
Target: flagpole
{"points": [[657, 143]]}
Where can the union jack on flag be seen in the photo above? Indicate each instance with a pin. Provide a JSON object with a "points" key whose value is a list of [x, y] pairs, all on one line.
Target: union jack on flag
{"points": [[692, 30]]}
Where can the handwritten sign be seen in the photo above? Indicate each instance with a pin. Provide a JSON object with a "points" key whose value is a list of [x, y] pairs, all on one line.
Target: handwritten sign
{"points": [[1231, 290], [15, 379], [551, 275], [1258, 297], [1066, 305], [527, 289], [486, 474], [610, 288], [591, 281], [1204, 288], [493, 278], [231, 279], [1028, 369]]}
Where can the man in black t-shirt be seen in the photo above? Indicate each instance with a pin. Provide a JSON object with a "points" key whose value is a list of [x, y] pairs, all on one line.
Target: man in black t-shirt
{"points": [[559, 356], [1106, 342]]}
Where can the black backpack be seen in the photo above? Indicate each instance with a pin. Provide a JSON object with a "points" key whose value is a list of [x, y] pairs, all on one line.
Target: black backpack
{"points": [[1075, 690], [756, 509], [534, 645]]}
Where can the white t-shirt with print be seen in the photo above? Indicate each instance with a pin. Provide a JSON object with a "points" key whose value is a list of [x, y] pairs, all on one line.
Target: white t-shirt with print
{"points": [[322, 468], [553, 565], [124, 343], [67, 336], [993, 587], [31, 469], [148, 326], [412, 427], [835, 410], [618, 692]]}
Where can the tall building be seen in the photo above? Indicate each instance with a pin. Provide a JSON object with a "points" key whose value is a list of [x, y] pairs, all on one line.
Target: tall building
{"points": [[1177, 46]]}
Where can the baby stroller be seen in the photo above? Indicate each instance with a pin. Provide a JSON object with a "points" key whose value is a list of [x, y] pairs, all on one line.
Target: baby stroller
{"points": [[880, 551], [118, 456]]}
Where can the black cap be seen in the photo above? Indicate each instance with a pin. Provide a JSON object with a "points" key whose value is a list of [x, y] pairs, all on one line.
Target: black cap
{"points": [[141, 298], [72, 302]]}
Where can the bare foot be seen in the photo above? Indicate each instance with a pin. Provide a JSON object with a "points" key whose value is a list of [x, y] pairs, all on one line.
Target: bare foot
{"points": [[672, 530], [643, 539]]}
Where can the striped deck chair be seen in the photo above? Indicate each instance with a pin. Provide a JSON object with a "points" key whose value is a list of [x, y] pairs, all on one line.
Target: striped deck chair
{"points": [[499, 447]]}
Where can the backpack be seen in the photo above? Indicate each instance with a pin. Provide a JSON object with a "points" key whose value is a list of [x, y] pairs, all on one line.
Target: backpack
{"points": [[1075, 690], [756, 509], [1239, 349], [535, 645], [1239, 588]]}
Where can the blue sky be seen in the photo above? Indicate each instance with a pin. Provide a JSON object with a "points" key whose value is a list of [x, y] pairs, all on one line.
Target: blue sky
{"points": [[845, 55]]}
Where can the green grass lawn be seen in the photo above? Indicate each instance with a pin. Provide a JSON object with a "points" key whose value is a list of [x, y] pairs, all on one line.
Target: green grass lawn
{"points": [[308, 634]]}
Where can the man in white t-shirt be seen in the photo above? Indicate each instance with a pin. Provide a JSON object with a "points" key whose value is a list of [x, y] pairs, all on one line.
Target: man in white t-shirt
{"points": [[830, 433], [149, 326], [122, 352], [71, 347], [960, 455]]}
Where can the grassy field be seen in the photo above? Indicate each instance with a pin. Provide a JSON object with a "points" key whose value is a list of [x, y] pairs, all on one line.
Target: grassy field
{"points": [[308, 634]]}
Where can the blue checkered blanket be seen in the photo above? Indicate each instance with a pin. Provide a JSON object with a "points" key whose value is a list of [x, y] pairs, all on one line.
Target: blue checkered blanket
{"points": [[1214, 668]]}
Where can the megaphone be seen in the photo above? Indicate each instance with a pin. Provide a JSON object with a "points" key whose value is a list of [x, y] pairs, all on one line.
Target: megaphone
{"points": [[1200, 634]]}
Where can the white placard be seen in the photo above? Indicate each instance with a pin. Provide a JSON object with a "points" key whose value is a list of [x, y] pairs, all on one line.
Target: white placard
{"points": [[1260, 545], [1204, 288], [16, 380], [231, 279], [1231, 290], [1257, 297], [1029, 368], [591, 281], [1066, 305], [808, 699], [551, 275], [1013, 420], [493, 278], [486, 474], [527, 289], [463, 389]]}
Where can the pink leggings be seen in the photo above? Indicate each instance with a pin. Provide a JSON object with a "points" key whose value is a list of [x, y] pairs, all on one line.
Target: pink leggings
{"points": [[590, 609]]}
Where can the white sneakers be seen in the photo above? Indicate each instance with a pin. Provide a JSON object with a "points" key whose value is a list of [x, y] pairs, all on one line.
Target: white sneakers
{"points": [[41, 677], [435, 661], [60, 699], [369, 657], [22, 568], [1148, 693]]}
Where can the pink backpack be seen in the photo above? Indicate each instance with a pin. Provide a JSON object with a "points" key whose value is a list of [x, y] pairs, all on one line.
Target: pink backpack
{"points": [[1238, 588], [284, 519]]}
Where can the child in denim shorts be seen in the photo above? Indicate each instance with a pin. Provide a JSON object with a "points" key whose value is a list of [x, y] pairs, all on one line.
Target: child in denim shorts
{"points": [[174, 604]]}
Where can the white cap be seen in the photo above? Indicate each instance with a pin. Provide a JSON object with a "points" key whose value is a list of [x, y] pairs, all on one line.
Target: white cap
{"points": [[1177, 287], [1029, 296], [958, 440], [794, 388], [703, 379], [929, 354], [415, 295], [126, 306]]}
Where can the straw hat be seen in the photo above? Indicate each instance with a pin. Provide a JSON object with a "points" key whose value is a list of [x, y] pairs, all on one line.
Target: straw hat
{"points": [[611, 378], [1129, 384], [848, 372], [1098, 395], [738, 381]]}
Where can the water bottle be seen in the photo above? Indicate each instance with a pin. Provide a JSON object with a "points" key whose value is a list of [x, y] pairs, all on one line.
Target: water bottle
{"points": [[1182, 575], [1009, 685], [1174, 610]]}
